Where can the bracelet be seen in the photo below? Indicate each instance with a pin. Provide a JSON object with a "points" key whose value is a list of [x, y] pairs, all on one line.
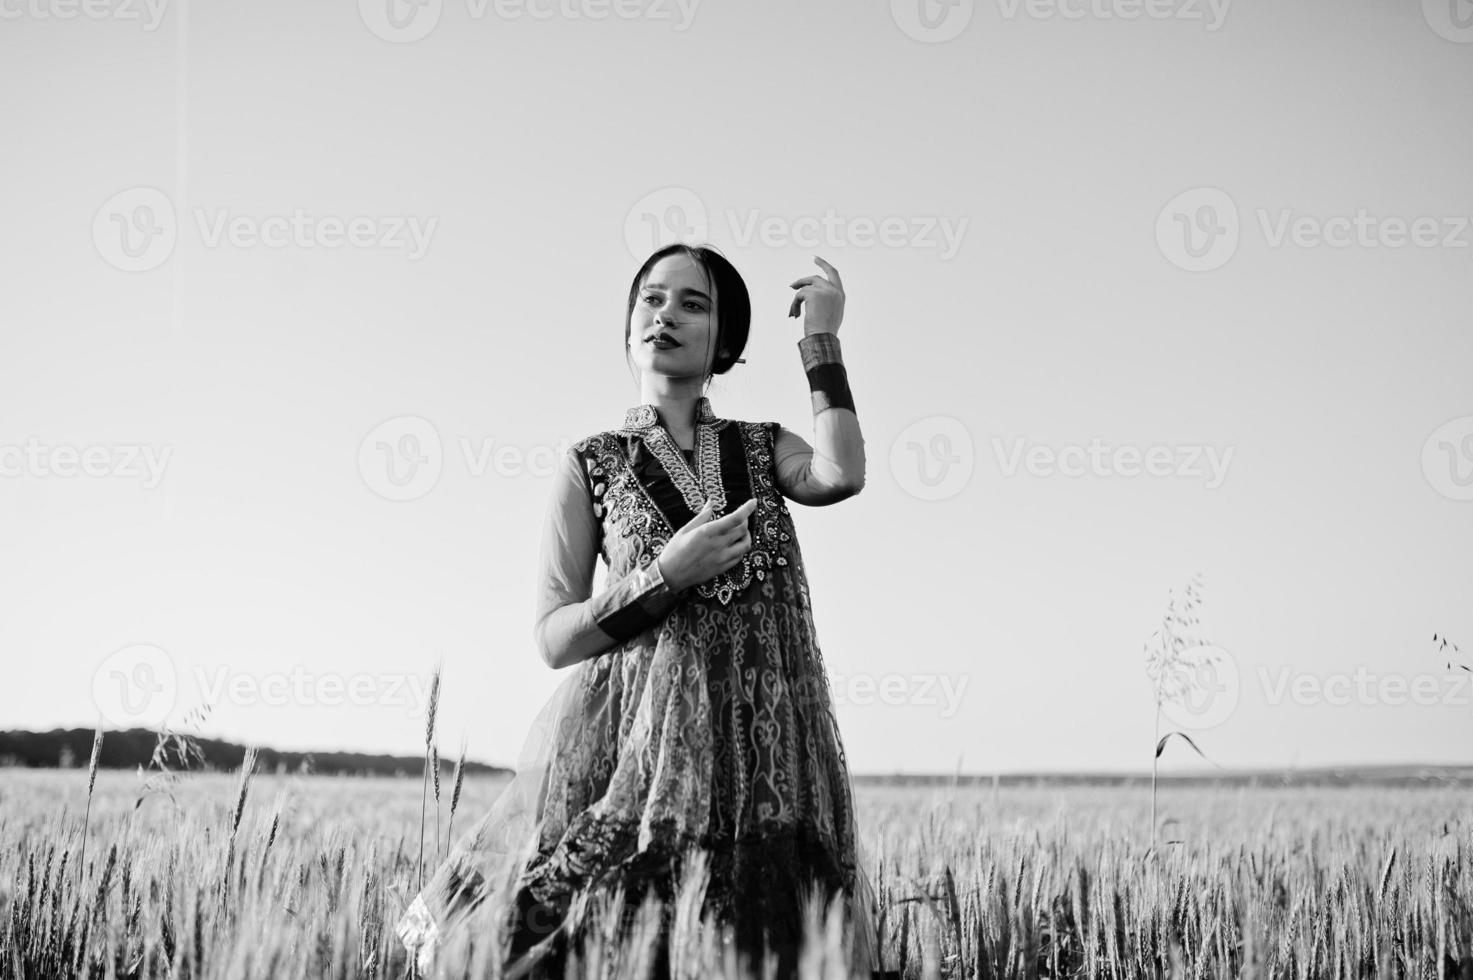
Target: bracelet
{"points": [[828, 380], [649, 600]]}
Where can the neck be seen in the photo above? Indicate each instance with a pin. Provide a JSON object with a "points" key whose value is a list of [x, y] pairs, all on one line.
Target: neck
{"points": [[675, 401]]}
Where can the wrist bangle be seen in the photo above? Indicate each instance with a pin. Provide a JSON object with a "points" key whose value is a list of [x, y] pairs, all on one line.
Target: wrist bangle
{"points": [[649, 600], [828, 381]]}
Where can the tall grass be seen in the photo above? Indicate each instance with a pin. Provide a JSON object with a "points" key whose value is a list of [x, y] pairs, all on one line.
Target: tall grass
{"points": [[1176, 654], [457, 782], [91, 784], [1271, 883], [431, 711]]}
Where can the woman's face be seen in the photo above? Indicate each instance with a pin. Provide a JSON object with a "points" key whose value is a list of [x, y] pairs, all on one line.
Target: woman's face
{"points": [[673, 300]]}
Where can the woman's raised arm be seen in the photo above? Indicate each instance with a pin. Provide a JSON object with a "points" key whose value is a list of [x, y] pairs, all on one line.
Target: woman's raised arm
{"points": [[834, 470]]}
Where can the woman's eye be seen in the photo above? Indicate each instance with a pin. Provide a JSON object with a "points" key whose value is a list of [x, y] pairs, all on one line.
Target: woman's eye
{"points": [[694, 303]]}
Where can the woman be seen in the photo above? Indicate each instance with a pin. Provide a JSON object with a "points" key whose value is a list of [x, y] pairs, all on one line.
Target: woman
{"points": [[696, 722]]}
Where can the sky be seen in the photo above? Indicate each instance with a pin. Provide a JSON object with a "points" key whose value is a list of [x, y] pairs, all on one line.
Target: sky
{"points": [[301, 301]]}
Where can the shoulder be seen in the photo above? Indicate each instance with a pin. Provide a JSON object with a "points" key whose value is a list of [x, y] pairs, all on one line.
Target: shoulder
{"points": [[600, 442], [756, 436], [755, 428]]}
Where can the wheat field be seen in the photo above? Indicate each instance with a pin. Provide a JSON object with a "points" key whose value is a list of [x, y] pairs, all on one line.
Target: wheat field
{"points": [[305, 877]]}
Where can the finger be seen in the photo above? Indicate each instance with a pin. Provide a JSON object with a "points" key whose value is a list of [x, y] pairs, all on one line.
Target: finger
{"points": [[810, 281], [735, 537], [729, 528], [702, 516], [736, 518], [796, 305], [832, 272]]}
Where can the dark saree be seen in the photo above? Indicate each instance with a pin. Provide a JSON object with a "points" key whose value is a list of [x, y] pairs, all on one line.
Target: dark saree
{"points": [[706, 729]]}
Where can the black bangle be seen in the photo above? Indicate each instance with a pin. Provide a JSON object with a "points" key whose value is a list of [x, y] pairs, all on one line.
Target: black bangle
{"points": [[829, 387], [828, 380]]}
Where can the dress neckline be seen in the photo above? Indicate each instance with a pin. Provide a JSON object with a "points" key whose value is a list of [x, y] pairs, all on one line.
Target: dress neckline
{"points": [[646, 417], [696, 471]]}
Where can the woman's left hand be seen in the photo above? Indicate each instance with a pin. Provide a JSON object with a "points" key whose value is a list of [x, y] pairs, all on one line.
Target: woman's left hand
{"points": [[821, 299]]}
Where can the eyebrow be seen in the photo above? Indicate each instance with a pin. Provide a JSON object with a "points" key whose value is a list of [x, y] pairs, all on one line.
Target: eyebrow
{"points": [[688, 290]]}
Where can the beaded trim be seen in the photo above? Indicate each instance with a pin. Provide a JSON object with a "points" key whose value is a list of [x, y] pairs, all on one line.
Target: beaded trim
{"points": [[644, 416], [704, 482]]}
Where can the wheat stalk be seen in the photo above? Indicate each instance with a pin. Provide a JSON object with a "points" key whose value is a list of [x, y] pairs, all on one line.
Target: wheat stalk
{"points": [[1165, 666], [455, 794], [91, 782], [434, 707], [247, 769], [435, 776]]}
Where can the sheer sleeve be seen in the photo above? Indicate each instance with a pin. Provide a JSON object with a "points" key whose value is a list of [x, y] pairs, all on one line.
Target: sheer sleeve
{"points": [[571, 625], [835, 470]]}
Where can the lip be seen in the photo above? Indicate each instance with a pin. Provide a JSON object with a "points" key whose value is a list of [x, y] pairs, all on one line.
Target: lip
{"points": [[662, 341]]}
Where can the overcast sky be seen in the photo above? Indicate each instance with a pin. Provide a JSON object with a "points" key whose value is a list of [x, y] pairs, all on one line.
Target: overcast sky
{"points": [[1137, 289]]}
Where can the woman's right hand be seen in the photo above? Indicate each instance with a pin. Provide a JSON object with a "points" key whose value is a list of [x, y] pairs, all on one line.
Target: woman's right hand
{"points": [[706, 547]]}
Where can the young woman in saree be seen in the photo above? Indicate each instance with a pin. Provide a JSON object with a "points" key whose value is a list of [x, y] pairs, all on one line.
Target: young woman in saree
{"points": [[696, 726]]}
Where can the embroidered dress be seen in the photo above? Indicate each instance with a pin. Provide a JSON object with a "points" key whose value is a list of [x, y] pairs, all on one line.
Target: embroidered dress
{"points": [[700, 719]]}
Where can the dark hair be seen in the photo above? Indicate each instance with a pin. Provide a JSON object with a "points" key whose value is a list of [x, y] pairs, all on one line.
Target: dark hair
{"points": [[733, 305]]}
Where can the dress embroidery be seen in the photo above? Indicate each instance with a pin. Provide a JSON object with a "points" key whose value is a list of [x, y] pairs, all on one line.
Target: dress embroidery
{"points": [[733, 463], [703, 484]]}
